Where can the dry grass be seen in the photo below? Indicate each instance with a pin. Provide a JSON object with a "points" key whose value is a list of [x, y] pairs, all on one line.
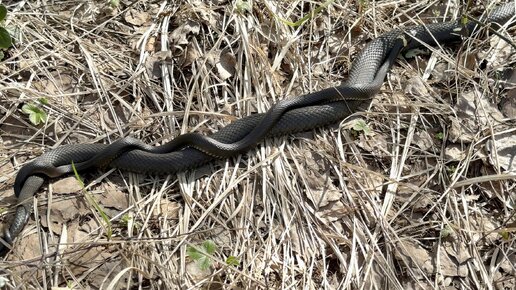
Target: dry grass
{"points": [[416, 203]]}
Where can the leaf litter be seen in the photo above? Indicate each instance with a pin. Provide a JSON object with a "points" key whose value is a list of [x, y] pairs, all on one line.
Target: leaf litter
{"points": [[419, 195]]}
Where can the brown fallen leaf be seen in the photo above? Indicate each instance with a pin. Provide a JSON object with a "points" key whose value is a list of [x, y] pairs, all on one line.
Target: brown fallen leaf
{"points": [[169, 208], [500, 53], [453, 258], [502, 151], [191, 54], [6, 170], [112, 197], [376, 144], [154, 61], [66, 185], [508, 104], [474, 112], [423, 140], [136, 17], [95, 262], [454, 152], [224, 62], [180, 35], [63, 211], [195, 272], [226, 66], [414, 256], [26, 248]]}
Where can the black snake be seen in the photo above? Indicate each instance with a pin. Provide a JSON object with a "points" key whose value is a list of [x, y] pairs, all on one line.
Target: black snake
{"points": [[287, 116]]}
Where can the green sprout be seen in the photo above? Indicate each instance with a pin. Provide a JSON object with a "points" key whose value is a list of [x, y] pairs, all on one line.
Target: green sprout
{"points": [[36, 114], [201, 254], [5, 38]]}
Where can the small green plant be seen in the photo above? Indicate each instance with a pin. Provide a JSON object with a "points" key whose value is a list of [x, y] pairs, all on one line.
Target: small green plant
{"points": [[361, 126], [114, 3], [242, 6], [363, 4], [446, 232], [91, 200], [36, 114], [451, 169], [307, 17], [233, 261], [504, 234], [201, 254], [125, 220], [439, 135], [464, 18], [5, 38]]}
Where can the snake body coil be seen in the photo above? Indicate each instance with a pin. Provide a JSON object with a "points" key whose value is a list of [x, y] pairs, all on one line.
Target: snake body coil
{"points": [[288, 116]]}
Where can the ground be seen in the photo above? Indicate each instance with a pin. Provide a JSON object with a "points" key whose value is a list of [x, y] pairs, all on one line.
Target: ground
{"points": [[414, 192]]}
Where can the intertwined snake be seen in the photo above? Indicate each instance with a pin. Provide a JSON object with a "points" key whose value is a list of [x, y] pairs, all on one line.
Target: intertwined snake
{"points": [[287, 116]]}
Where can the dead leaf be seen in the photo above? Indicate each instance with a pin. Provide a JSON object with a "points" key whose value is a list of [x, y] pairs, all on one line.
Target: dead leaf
{"points": [[154, 61], [56, 85], [6, 170], [28, 247], [150, 46], [458, 251], [441, 72], [62, 211], [136, 17], [191, 54], [96, 261], [375, 143], [499, 54], [180, 35], [226, 66], [66, 185], [414, 256], [224, 62], [484, 230], [13, 127], [323, 196], [204, 13], [423, 140], [508, 104], [416, 87], [471, 61], [495, 188], [507, 262], [335, 211], [336, 45], [75, 234], [168, 208], [321, 191], [196, 273], [90, 227], [113, 197], [7, 195], [454, 259], [454, 152], [409, 191], [502, 151], [474, 112]]}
